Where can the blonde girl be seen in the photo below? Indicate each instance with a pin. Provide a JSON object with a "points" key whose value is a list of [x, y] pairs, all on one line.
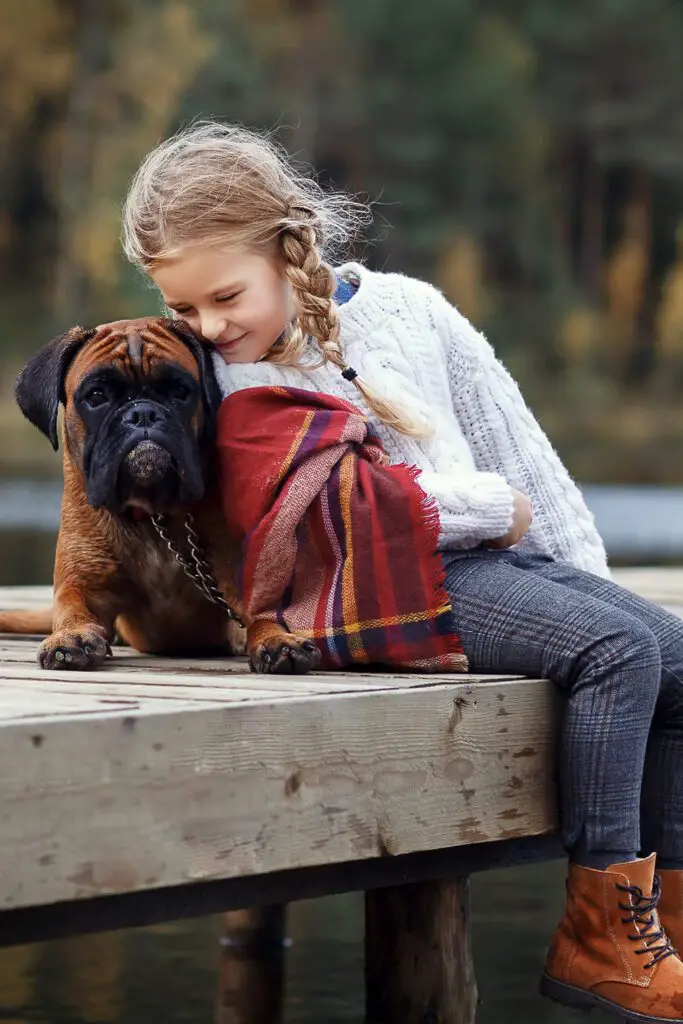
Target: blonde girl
{"points": [[241, 246]]}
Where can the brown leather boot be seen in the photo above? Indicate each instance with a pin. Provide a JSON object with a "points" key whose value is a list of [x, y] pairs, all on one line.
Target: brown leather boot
{"points": [[671, 906], [610, 950]]}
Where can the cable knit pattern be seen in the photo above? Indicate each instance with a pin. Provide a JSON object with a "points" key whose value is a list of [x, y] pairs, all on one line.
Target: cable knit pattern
{"points": [[413, 347]]}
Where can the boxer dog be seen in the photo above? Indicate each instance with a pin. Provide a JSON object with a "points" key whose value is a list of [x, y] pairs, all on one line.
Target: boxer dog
{"points": [[143, 549]]}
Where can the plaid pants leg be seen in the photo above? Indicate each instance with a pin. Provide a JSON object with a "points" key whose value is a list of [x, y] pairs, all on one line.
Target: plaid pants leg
{"points": [[619, 661], [661, 808]]}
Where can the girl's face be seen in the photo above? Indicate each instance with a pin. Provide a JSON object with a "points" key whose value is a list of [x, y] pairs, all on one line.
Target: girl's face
{"points": [[236, 299]]}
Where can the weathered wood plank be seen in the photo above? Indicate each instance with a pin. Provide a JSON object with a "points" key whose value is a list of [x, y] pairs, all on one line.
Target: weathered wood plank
{"points": [[81, 710], [165, 672], [220, 774], [16, 652], [24, 597], [660, 584], [161, 685], [261, 787], [197, 899]]}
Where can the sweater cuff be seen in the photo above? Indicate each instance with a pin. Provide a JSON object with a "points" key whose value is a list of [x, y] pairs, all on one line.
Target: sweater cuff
{"points": [[478, 506]]}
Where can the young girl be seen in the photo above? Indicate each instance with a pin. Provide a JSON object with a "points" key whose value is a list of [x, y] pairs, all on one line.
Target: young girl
{"points": [[238, 243]]}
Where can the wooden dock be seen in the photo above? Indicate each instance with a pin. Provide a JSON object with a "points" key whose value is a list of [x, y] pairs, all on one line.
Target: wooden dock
{"points": [[157, 789]]}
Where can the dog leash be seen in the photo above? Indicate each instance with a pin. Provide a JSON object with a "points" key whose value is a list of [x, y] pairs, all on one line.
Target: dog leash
{"points": [[196, 568]]}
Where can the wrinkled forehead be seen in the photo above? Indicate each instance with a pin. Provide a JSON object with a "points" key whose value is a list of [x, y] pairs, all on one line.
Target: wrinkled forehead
{"points": [[134, 348]]}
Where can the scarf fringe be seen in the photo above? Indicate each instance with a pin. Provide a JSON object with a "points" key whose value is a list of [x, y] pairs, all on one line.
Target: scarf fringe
{"points": [[427, 510]]}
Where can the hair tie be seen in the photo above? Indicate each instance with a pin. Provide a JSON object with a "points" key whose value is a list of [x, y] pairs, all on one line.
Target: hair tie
{"points": [[349, 373]]}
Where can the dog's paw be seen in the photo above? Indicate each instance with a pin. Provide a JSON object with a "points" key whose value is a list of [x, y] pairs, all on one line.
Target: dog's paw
{"points": [[81, 649], [284, 654]]}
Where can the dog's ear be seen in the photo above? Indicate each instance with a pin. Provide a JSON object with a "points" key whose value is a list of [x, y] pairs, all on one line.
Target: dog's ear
{"points": [[40, 386], [211, 392]]}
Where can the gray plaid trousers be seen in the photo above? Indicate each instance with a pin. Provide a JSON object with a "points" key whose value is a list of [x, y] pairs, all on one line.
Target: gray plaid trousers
{"points": [[619, 661]]}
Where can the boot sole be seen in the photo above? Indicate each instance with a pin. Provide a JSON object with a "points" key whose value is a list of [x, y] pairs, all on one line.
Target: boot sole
{"points": [[580, 999]]}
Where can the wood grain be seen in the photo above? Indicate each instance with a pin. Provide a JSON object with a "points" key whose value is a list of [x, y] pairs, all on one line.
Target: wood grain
{"points": [[117, 802], [156, 772], [418, 954]]}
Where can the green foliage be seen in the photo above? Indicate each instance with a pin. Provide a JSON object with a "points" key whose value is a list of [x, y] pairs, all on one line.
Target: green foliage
{"points": [[526, 155]]}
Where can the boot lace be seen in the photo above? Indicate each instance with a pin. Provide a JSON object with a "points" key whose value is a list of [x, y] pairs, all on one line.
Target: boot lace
{"points": [[642, 912]]}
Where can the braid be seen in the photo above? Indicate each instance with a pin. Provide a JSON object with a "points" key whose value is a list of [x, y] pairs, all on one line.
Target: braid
{"points": [[313, 285]]}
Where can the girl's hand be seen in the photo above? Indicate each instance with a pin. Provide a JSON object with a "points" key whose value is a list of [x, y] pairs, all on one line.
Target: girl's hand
{"points": [[521, 521]]}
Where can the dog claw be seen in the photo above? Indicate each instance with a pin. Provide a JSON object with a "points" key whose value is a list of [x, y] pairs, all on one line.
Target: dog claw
{"points": [[76, 650], [286, 658]]}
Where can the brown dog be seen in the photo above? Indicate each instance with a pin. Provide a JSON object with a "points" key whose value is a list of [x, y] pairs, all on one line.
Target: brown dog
{"points": [[140, 399]]}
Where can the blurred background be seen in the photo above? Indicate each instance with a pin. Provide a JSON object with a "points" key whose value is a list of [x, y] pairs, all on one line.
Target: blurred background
{"points": [[524, 155]]}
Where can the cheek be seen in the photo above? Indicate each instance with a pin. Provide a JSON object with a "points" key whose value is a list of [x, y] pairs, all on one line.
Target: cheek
{"points": [[74, 434], [269, 316]]}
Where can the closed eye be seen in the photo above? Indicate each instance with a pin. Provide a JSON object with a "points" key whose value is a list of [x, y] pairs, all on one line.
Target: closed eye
{"points": [[178, 390], [170, 385], [227, 298]]}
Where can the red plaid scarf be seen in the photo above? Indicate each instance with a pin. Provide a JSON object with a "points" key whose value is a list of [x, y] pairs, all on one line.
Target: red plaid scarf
{"points": [[337, 545]]}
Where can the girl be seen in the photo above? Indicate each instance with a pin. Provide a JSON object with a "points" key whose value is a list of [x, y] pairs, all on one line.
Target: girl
{"points": [[238, 243]]}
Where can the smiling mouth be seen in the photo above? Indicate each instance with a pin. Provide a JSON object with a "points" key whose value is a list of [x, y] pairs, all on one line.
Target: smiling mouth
{"points": [[230, 344]]}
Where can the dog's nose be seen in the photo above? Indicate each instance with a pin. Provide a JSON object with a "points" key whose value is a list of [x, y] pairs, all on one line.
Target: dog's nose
{"points": [[142, 414]]}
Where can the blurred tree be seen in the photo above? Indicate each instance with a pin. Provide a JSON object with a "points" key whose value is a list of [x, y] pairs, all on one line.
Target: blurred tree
{"points": [[460, 273], [669, 323], [525, 155], [626, 281], [444, 119], [609, 85], [36, 59], [133, 91], [90, 85]]}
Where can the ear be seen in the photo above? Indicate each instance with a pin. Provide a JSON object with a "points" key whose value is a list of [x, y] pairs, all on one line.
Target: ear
{"points": [[40, 386], [211, 393]]}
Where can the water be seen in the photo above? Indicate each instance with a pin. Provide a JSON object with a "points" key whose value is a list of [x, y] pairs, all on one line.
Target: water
{"points": [[637, 523], [169, 973]]}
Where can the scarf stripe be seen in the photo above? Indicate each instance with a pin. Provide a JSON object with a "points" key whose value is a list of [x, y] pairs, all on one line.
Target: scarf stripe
{"points": [[338, 546]]}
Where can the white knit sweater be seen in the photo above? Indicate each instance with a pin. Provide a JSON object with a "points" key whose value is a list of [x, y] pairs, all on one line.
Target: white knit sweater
{"points": [[413, 347]]}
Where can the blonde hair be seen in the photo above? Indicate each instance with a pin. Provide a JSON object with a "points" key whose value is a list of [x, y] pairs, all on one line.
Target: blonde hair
{"points": [[214, 183]]}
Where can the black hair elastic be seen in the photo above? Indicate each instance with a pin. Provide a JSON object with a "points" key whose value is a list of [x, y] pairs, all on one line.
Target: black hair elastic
{"points": [[349, 373]]}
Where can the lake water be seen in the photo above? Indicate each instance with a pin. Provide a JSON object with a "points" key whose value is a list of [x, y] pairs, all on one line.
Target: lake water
{"points": [[168, 974], [638, 524]]}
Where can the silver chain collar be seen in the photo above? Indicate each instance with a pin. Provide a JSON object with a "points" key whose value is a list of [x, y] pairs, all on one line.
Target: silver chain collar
{"points": [[196, 568]]}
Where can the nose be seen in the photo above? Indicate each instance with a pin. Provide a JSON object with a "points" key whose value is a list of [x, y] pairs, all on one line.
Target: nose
{"points": [[211, 327], [142, 414]]}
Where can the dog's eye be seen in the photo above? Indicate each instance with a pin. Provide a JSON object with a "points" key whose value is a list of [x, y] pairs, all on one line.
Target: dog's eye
{"points": [[95, 397], [179, 390]]}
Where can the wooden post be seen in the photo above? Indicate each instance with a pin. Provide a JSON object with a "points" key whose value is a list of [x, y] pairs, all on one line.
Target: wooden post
{"points": [[418, 958], [252, 967]]}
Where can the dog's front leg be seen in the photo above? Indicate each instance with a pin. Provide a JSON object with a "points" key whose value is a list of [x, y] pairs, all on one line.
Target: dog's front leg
{"points": [[83, 613], [270, 648]]}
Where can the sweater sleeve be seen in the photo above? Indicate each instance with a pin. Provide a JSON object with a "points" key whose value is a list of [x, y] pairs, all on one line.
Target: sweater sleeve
{"points": [[473, 506], [502, 432]]}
